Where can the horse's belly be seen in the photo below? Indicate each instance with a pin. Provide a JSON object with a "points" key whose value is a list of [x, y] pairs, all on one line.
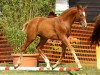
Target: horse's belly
{"points": [[49, 34], [54, 37]]}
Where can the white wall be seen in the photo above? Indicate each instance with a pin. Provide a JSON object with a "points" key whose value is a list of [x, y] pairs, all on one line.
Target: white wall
{"points": [[61, 5]]}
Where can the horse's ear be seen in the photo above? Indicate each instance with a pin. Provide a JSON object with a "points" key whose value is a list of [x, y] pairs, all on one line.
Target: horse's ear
{"points": [[79, 6], [85, 7]]}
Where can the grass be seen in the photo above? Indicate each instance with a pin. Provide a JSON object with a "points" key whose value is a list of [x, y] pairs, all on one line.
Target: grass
{"points": [[17, 72], [32, 73], [86, 71]]}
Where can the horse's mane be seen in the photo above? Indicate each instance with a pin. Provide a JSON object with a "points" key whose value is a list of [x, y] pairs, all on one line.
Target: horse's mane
{"points": [[95, 38], [68, 11]]}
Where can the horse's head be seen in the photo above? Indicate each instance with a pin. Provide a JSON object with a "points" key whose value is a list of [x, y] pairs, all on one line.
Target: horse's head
{"points": [[81, 16]]}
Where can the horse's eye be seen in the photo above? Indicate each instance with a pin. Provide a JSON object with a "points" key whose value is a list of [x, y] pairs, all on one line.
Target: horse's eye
{"points": [[81, 15]]}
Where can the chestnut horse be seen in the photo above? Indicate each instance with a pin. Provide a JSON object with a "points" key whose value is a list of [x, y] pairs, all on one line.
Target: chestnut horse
{"points": [[57, 28], [95, 38]]}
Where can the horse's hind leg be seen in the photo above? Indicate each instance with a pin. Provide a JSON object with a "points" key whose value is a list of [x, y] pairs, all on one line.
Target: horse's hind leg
{"points": [[29, 39], [62, 55], [39, 48]]}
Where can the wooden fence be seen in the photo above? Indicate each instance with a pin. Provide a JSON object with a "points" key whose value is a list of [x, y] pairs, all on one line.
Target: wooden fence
{"points": [[5, 48]]}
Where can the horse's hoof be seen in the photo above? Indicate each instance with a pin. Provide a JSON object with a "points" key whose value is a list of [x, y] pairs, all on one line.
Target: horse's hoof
{"points": [[49, 68], [16, 66], [80, 68], [53, 68]]}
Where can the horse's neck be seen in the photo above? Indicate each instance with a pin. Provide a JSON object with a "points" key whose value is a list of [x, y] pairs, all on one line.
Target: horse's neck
{"points": [[69, 17]]}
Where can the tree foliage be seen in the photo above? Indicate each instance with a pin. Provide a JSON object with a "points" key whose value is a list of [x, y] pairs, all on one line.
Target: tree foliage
{"points": [[16, 12]]}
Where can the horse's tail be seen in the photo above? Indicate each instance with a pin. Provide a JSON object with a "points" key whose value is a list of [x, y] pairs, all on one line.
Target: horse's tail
{"points": [[25, 26]]}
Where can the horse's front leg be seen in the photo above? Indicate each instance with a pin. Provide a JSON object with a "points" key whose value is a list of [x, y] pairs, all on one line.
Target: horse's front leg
{"points": [[62, 55], [39, 48], [67, 43]]}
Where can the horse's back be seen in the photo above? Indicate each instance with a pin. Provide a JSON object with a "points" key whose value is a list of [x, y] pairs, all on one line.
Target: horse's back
{"points": [[42, 26]]}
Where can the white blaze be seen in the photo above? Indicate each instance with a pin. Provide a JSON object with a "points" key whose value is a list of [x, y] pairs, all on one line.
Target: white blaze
{"points": [[84, 19], [84, 13]]}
